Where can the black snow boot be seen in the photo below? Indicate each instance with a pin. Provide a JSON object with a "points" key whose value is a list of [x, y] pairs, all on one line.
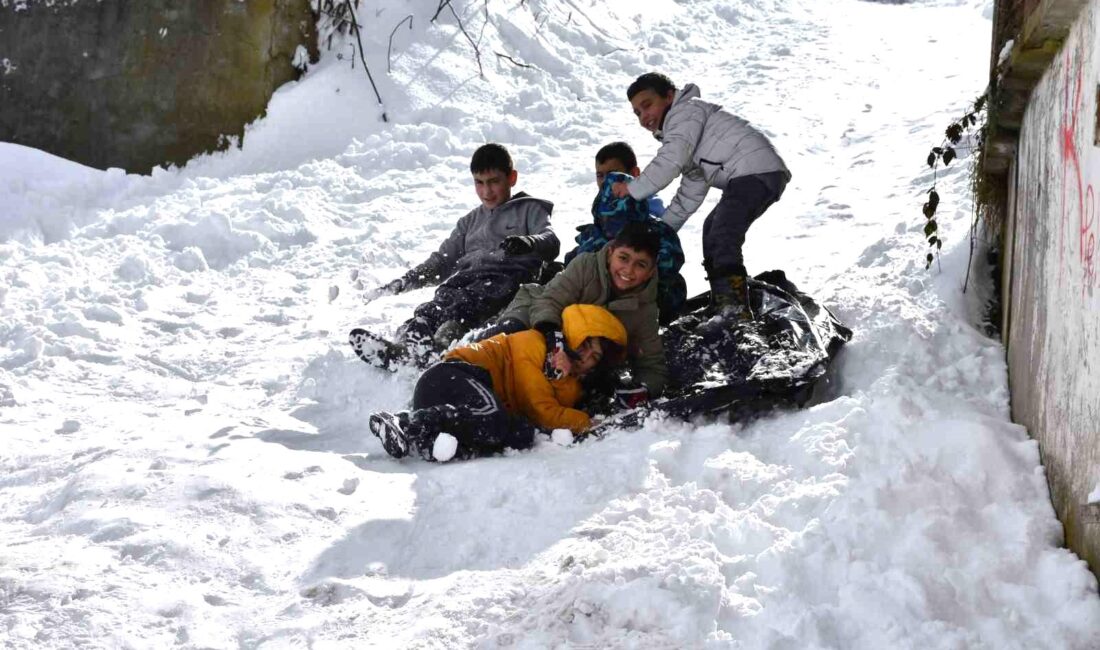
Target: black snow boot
{"points": [[391, 429], [404, 433], [377, 351], [417, 337], [729, 296]]}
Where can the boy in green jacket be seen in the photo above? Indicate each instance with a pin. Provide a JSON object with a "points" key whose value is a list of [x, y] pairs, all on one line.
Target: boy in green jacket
{"points": [[621, 277]]}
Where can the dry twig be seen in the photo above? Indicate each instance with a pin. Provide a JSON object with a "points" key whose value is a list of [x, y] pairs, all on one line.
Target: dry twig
{"points": [[389, 49], [514, 62]]}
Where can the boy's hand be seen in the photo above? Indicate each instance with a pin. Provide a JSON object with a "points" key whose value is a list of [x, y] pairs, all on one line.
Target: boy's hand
{"points": [[518, 244], [620, 190], [390, 288], [562, 364], [629, 397], [393, 288]]}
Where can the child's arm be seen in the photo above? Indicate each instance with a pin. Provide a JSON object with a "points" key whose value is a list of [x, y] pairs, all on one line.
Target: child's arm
{"points": [[689, 196], [679, 140], [441, 263], [544, 242], [536, 396], [562, 290]]}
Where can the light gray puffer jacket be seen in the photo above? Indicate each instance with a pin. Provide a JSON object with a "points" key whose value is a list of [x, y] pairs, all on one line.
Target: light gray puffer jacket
{"points": [[707, 146], [476, 239]]}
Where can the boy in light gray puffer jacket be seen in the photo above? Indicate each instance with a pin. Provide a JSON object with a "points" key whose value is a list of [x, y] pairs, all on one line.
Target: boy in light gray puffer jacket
{"points": [[707, 147]]}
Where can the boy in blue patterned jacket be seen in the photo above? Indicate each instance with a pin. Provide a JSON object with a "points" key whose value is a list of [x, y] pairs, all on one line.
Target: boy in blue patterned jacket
{"points": [[616, 162]]}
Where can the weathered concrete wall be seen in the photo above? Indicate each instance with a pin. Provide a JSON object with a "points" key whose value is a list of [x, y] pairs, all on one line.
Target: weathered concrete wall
{"points": [[1051, 279], [138, 83]]}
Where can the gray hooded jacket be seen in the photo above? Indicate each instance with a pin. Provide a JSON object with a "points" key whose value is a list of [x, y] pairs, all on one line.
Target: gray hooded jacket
{"points": [[708, 147], [475, 240]]}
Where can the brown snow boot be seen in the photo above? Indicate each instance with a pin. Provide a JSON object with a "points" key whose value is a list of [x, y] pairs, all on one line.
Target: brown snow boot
{"points": [[729, 295]]}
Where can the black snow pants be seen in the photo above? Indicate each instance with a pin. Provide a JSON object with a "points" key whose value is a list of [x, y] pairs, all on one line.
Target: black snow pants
{"points": [[743, 201], [470, 297], [456, 397]]}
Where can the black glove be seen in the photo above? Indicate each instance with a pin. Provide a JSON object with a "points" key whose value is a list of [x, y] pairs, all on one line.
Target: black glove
{"points": [[518, 245], [629, 397], [395, 287]]}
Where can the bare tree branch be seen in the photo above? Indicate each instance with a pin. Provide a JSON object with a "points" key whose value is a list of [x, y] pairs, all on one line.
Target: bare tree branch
{"points": [[389, 49], [477, 50], [442, 5], [514, 62], [355, 28]]}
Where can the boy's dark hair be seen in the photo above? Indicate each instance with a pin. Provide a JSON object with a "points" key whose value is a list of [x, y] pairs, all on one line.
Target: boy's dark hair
{"points": [[654, 81], [640, 236], [491, 157], [620, 151]]}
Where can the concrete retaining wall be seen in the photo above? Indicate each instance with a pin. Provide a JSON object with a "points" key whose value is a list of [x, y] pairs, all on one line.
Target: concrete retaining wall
{"points": [[1052, 279], [139, 83]]}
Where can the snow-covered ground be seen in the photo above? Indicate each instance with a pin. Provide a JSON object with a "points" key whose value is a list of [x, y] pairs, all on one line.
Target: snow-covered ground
{"points": [[184, 457]]}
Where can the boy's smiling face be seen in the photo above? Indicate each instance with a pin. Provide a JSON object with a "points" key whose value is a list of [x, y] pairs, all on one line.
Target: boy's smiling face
{"points": [[629, 268], [494, 187], [651, 108]]}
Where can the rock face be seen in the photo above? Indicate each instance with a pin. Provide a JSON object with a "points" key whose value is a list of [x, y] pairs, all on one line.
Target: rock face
{"points": [[136, 84]]}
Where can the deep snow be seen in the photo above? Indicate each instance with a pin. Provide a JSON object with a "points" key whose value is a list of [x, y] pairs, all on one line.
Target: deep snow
{"points": [[185, 459]]}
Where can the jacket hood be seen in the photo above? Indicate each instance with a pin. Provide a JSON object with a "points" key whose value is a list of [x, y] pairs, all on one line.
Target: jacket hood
{"points": [[583, 321], [520, 197], [688, 92]]}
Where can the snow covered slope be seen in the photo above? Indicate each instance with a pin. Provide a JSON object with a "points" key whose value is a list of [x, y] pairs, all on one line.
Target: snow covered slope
{"points": [[184, 456]]}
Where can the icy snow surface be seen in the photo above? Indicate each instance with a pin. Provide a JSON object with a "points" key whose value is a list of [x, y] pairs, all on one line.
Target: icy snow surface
{"points": [[185, 457]]}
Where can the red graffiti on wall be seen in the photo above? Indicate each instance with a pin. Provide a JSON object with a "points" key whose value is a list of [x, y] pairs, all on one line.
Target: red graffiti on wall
{"points": [[1086, 198]]}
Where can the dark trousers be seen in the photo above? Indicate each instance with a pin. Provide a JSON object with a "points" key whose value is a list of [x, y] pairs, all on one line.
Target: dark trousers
{"points": [[470, 297], [456, 397], [743, 201]]}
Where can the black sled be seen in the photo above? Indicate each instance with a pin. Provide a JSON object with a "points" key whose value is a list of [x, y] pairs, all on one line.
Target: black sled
{"points": [[723, 367]]}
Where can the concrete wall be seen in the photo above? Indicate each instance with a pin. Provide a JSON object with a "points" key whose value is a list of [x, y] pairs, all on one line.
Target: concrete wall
{"points": [[139, 83], [1052, 278]]}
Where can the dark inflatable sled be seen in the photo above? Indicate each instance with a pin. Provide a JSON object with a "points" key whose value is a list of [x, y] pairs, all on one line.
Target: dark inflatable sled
{"points": [[722, 367]]}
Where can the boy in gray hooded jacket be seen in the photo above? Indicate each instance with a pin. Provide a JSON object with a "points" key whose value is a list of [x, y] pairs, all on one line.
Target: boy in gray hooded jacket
{"points": [[497, 246], [706, 147]]}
